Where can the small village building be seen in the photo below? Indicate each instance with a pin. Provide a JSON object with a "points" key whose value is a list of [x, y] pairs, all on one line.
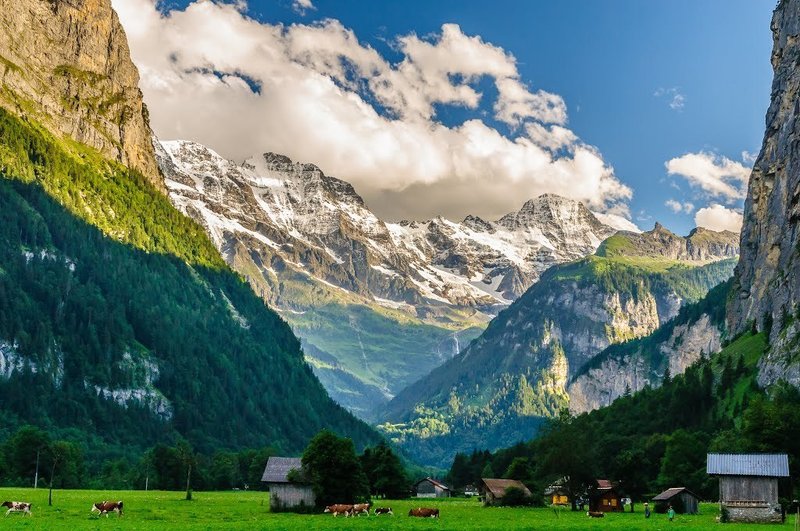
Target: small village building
{"points": [[493, 490], [431, 488], [681, 499], [285, 495], [605, 497], [557, 495], [748, 485], [471, 490]]}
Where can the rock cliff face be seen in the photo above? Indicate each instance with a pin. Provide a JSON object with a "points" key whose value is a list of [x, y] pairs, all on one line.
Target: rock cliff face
{"points": [[767, 282], [696, 332], [66, 64]]}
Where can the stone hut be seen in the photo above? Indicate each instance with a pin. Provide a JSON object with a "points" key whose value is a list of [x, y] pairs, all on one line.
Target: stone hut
{"points": [[681, 499], [748, 485], [285, 495]]}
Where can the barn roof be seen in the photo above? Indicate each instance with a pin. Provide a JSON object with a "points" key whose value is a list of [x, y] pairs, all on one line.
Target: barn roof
{"points": [[604, 484], [672, 492], [498, 486], [434, 483], [278, 468], [767, 465]]}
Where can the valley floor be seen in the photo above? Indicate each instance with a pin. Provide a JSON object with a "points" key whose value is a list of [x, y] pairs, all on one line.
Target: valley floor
{"points": [[250, 510]]}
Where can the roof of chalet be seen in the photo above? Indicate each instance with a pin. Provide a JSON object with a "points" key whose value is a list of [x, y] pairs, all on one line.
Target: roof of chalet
{"points": [[604, 484], [498, 486], [672, 492], [278, 469], [434, 482], [765, 465]]}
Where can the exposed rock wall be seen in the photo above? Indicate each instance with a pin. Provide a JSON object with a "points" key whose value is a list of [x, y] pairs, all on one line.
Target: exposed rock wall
{"points": [[66, 64]]}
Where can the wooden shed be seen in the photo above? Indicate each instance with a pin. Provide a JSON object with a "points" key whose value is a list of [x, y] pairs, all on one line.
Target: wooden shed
{"points": [[285, 495], [748, 485], [681, 499], [493, 490], [431, 488], [605, 497], [557, 495]]}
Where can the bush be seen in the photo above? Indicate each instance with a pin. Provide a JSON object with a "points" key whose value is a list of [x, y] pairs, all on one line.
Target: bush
{"points": [[515, 497]]}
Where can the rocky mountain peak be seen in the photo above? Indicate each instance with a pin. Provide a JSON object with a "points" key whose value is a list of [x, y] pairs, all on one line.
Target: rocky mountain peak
{"points": [[76, 52]]}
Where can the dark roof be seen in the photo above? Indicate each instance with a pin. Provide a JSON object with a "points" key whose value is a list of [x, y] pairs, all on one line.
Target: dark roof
{"points": [[498, 486], [767, 465], [278, 468], [672, 492], [434, 482]]}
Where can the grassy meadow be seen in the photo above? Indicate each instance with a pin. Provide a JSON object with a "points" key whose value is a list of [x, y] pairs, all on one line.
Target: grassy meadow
{"points": [[250, 510]]}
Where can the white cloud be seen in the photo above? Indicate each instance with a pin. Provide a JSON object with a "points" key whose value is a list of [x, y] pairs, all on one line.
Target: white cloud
{"points": [[302, 6], [678, 207], [717, 217], [315, 93], [676, 100], [616, 221], [718, 177], [749, 158]]}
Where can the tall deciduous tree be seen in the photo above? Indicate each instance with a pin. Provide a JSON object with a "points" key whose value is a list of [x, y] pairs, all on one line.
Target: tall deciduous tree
{"points": [[331, 465]]}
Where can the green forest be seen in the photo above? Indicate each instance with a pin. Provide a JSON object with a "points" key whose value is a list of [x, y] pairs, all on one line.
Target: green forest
{"points": [[121, 327], [658, 438]]}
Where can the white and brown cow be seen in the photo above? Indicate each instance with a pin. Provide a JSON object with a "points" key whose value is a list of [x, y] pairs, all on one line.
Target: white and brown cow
{"points": [[105, 507], [424, 512], [383, 510], [361, 508], [17, 507], [339, 508]]}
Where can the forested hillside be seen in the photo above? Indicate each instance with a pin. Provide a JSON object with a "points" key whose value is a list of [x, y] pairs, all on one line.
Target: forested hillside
{"points": [[659, 438], [119, 320]]}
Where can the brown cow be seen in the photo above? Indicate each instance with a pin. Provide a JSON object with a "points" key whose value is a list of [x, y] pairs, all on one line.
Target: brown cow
{"points": [[383, 510], [424, 512], [105, 507], [595, 514], [17, 507], [339, 508], [361, 508]]}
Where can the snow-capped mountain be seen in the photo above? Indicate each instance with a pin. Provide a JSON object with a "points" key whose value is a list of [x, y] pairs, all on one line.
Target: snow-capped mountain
{"points": [[319, 225], [377, 305]]}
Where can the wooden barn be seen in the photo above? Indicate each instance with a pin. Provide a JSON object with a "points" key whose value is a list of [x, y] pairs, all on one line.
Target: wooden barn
{"points": [[681, 499], [605, 497], [285, 495], [492, 490], [748, 485], [431, 488], [557, 495]]}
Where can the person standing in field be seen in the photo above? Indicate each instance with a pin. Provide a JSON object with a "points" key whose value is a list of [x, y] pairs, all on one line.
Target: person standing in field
{"points": [[646, 510], [671, 513]]}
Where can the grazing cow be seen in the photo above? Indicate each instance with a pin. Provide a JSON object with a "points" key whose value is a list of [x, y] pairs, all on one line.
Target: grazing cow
{"points": [[596, 514], [339, 508], [383, 510], [424, 512], [105, 507], [361, 508], [17, 507]]}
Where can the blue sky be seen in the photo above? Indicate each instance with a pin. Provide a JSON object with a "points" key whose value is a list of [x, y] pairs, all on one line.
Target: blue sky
{"points": [[618, 65]]}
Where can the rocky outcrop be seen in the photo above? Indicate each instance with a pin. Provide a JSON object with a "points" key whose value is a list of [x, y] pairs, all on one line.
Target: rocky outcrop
{"points": [[612, 376], [701, 245], [767, 282], [66, 64]]}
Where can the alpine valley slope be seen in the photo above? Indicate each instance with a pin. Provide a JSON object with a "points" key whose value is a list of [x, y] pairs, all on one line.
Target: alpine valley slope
{"points": [[377, 305], [497, 390], [120, 323]]}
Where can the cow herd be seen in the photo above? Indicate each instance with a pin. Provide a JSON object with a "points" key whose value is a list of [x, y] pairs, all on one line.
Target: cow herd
{"points": [[101, 508], [363, 508]]}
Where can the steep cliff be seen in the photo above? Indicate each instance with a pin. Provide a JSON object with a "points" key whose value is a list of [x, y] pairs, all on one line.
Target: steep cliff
{"points": [[767, 282], [66, 64]]}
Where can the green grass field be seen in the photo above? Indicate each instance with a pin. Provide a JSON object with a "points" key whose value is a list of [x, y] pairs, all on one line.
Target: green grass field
{"points": [[250, 510]]}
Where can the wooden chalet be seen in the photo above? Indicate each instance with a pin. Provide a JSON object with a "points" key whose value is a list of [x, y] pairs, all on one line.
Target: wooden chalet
{"points": [[431, 488], [681, 499], [285, 495], [605, 497], [748, 485], [493, 490], [557, 495]]}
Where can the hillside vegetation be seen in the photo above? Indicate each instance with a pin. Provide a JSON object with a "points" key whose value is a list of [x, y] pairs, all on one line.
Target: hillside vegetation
{"points": [[120, 325]]}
